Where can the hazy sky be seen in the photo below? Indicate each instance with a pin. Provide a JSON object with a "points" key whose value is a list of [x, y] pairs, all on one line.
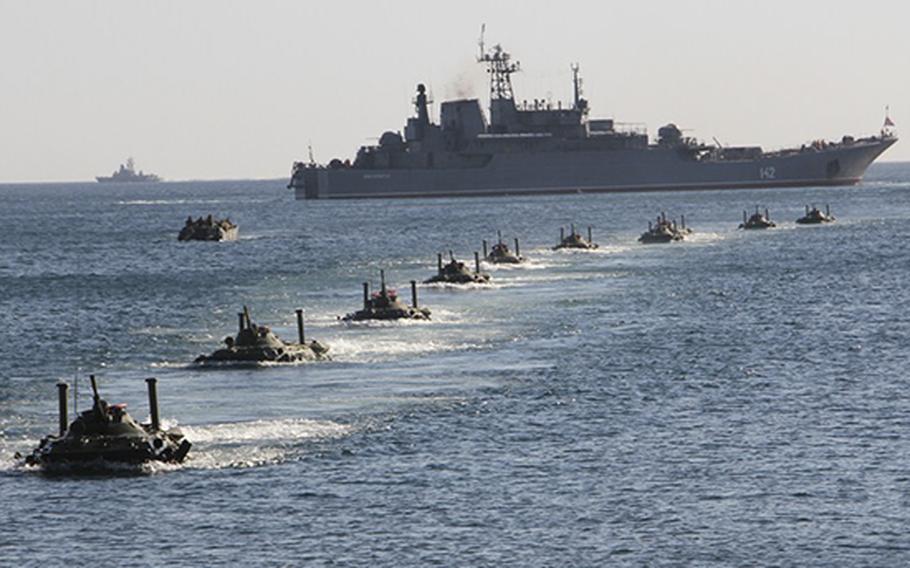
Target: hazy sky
{"points": [[221, 89]]}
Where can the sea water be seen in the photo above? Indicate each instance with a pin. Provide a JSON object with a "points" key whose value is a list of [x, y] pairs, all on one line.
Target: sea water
{"points": [[740, 398]]}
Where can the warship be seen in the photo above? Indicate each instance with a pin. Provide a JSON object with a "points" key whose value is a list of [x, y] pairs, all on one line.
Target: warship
{"points": [[665, 231], [386, 305], [815, 216], [574, 240], [106, 434], [757, 220], [208, 229], [538, 147], [256, 344], [500, 253], [456, 272], [128, 173]]}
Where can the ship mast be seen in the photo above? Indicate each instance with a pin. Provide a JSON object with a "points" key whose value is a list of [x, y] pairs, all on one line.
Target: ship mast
{"points": [[576, 83], [500, 67]]}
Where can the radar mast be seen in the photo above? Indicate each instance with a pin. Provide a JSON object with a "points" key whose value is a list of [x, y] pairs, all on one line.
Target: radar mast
{"points": [[500, 67], [580, 103]]}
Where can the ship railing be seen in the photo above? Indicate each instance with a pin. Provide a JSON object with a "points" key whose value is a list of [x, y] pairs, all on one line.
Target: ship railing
{"points": [[489, 135], [822, 145]]}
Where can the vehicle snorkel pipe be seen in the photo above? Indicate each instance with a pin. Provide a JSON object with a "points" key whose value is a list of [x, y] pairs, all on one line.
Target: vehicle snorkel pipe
{"points": [[153, 402], [61, 396]]}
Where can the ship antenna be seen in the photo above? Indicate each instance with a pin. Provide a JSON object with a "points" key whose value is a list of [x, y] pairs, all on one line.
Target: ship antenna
{"points": [[576, 84], [310, 151], [483, 29]]}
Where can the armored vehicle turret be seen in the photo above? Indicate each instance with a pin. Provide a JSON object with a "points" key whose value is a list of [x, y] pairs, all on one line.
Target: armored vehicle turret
{"points": [[257, 344], [386, 305], [456, 272], [574, 240], [500, 253], [757, 220], [814, 216], [665, 231], [107, 434], [208, 229]]}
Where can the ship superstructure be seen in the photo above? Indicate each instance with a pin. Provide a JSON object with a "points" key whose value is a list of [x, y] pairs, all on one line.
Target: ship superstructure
{"points": [[538, 147]]}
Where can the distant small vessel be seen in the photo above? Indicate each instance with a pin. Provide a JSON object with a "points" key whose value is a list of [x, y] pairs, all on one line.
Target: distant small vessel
{"points": [[757, 220], [128, 173], [665, 231], [500, 253], [208, 229], [575, 240], [456, 272], [815, 216]]}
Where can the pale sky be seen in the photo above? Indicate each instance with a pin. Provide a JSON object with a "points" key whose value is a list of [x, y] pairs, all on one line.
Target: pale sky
{"points": [[214, 89]]}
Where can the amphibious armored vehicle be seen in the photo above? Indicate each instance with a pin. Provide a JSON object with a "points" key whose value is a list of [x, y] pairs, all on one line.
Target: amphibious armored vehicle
{"points": [[574, 240], [456, 272], [757, 221], [386, 305], [814, 216], [500, 253], [665, 231], [208, 229], [107, 434], [257, 344]]}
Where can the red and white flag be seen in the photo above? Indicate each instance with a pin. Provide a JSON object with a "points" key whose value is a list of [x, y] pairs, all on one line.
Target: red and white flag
{"points": [[888, 121]]}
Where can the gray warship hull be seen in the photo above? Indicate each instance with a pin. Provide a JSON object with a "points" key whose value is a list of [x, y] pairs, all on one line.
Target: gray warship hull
{"points": [[538, 147], [653, 169]]}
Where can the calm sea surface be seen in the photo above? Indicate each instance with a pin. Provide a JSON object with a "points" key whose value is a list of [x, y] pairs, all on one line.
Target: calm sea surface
{"points": [[737, 399]]}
